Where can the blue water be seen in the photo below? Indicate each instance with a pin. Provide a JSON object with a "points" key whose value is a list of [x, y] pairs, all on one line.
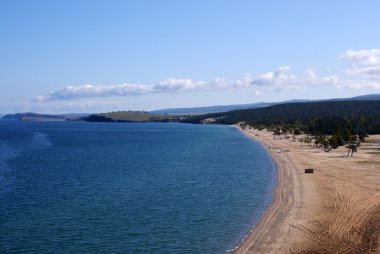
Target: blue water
{"points": [[77, 187]]}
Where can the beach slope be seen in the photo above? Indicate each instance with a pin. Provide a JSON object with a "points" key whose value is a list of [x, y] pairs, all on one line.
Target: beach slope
{"points": [[334, 210]]}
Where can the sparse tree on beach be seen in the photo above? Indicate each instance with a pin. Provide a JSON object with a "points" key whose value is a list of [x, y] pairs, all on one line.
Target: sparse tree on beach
{"points": [[353, 144], [308, 139], [296, 132], [276, 132], [301, 140], [322, 141], [243, 125], [333, 142]]}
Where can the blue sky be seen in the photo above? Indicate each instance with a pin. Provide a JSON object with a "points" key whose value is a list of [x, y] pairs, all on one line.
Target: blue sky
{"points": [[89, 56]]}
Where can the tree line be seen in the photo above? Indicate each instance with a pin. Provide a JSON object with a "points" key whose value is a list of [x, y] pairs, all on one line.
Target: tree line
{"points": [[310, 117], [345, 138], [328, 124]]}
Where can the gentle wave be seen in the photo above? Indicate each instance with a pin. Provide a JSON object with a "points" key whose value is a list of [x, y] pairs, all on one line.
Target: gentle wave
{"points": [[181, 189], [7, 152], [40, 140]]}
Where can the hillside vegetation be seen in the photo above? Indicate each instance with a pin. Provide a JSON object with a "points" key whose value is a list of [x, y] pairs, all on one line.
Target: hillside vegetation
{"points": [[128, 116], [326, 117]]}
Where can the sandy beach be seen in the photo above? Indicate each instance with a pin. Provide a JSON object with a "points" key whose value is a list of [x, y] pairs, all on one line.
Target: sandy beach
{"points": [[334, 210]]}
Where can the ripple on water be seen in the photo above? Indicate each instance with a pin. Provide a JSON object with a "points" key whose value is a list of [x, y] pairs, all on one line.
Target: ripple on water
{"points": [[95, 187], [40, 140], [7, 152]]}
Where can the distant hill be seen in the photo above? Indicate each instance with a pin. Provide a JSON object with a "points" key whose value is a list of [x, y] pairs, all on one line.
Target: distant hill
{"points": [[30, 116], [225, 108], [367, 97], [312, 117], [127, 116], [163, 113], [210, 109], [75, 115]]}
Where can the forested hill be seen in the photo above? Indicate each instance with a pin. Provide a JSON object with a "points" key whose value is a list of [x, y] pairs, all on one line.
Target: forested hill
{"points": [[129, 116], [225, 108], [312, 117]]}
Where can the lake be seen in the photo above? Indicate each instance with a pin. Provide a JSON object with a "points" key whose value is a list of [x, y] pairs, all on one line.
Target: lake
{"points": [[78, 187]]}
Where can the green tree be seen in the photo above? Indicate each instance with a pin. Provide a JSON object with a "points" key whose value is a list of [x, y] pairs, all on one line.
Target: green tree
{"points": [[276, 132], [296, 132], [323, 141], [353, 145], [333, 141], [308, 139], [346, 135], [339, 140], [362, 136]]}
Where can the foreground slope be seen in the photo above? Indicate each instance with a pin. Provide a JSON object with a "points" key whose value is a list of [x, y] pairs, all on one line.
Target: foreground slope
{"points": [[334, 210]]}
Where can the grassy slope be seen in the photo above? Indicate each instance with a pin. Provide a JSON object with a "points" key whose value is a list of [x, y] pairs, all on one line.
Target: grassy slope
{"points": [[134, 116]]}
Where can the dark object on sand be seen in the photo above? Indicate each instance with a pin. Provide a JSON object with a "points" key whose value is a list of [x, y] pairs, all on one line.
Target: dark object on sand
{"points": [[309, 170]]}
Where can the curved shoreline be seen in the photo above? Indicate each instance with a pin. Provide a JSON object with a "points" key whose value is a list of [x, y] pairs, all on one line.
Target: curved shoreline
{"points": [[263, 220], [334, 210], [281, 202]]}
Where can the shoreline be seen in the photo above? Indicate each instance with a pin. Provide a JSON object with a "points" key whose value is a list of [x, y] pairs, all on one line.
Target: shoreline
{"points": [[308, 211], [253, 233], [280, 200]]}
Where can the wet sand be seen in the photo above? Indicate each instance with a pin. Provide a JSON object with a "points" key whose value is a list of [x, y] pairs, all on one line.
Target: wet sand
{"points": [[334, 210]]}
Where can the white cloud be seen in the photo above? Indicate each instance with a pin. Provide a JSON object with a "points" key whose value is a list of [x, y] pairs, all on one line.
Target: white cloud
{"points": [[278, 77], [170, 85], [361, 57], [281, 79], [365, 68], [176, 85], [243, 82], [369, 72], [87, 105], [87, 91], [364, 72]]}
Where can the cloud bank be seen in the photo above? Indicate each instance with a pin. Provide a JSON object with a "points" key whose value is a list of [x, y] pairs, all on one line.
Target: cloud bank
{"points": [[365, 64], [172, 85], [363, 72], [362, 57]]}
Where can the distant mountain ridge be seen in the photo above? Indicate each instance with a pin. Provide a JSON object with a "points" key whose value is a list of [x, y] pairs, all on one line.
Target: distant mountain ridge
{"points": [[184, 111], [367, 97], [32, 115], [210, 109], [225, 108]]}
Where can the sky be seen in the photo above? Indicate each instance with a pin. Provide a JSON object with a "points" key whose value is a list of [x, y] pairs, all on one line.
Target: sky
{"points": [[98, 56]]}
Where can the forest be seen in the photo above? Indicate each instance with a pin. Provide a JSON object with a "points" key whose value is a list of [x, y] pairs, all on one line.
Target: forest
{"points": [[326, 117], [327, 124]]}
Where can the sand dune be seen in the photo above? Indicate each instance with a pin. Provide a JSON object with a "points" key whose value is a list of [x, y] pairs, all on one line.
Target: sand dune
{"points": [[334, 210]]}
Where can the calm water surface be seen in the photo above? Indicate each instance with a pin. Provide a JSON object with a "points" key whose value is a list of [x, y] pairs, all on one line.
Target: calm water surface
{"points": [[76, 187]]}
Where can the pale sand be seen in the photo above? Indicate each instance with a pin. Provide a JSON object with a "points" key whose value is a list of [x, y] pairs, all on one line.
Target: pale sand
{"points": [[334, 210]]}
